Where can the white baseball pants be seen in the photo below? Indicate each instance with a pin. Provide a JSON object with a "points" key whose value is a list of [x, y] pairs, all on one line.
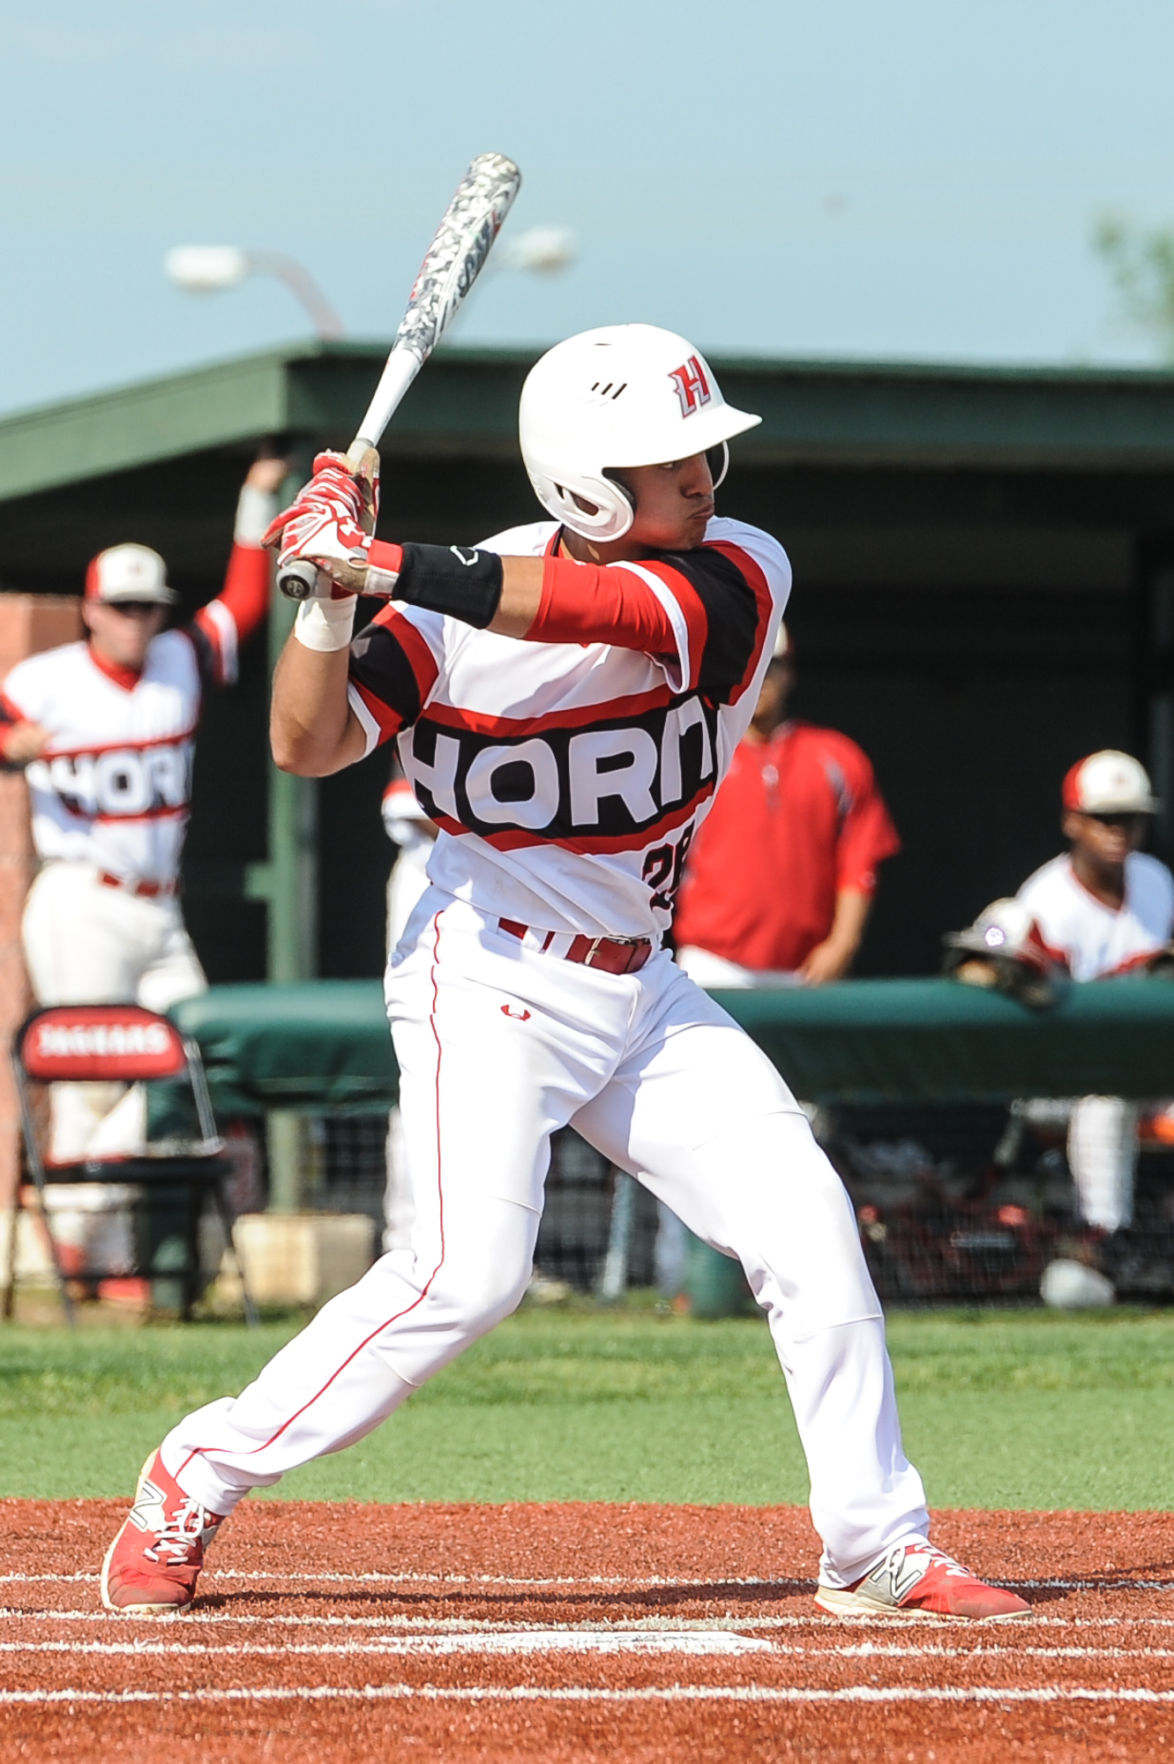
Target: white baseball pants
{"points": [[1102, 1156], [499, 1045], [88, 943]]}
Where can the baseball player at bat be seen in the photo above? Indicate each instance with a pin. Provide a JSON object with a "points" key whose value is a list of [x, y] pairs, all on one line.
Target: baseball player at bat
{"points": [[106, 729], [565, 698]]}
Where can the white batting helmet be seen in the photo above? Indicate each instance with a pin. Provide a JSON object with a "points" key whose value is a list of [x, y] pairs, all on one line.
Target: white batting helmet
{"points": [[620, 395], [1006, 942], [1006, 927]]}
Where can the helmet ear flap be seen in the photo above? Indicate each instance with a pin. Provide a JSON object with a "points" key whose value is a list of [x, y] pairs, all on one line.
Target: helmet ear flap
{"points": [[601, 508], [616, 480]]}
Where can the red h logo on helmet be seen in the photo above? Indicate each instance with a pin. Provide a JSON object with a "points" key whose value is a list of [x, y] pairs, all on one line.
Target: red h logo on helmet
{"points": [[692, 385]]}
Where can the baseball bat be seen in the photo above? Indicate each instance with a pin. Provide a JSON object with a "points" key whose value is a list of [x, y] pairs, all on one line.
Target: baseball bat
{"points": [[451, 265]]}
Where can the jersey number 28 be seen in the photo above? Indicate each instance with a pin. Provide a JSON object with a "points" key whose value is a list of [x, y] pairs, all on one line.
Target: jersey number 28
{"points": [[663, 868]]}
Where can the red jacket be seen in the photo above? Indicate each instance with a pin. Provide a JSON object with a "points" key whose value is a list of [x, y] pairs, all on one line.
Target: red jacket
{"points": [[798, 819]]}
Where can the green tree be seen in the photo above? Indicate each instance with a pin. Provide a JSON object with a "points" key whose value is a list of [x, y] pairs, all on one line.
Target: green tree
{"points": [[1141, 265]]}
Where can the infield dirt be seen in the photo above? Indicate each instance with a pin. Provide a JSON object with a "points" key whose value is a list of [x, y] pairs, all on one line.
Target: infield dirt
{"points": [[578, 1632]]}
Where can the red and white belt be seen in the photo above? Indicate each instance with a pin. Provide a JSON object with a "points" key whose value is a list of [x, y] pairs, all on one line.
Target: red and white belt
{"points": [[615, 955], [142, 890]]}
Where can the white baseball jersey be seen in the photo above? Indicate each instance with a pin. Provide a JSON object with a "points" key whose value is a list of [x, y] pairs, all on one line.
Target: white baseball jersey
{"points": [[113, 788], [1092, 939], [532, 756], [566, 776]]}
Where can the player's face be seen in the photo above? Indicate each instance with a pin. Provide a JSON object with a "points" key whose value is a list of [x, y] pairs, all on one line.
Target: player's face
{"points": [[674, 503], [1105, 839], [121, 631]]}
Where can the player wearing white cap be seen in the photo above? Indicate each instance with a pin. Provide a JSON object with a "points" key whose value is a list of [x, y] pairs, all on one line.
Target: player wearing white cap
{"points": [[1100, 909], [106, 731], [565, 699], [1103, 908]]}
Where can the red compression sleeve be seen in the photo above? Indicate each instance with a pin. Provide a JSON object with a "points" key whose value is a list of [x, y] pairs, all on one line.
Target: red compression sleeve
{"points": [[222, 626], [590, 603], [10, 716], [245, 594]]}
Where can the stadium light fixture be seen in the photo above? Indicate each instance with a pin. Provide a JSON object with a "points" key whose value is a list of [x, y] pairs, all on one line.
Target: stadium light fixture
{"points": [[205, 269]]}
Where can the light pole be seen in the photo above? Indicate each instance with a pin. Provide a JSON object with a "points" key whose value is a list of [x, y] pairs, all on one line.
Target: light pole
{"points": [[205, 269], [208, 269]]}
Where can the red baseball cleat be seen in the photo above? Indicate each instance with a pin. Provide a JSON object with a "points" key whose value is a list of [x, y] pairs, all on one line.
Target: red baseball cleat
{"points": [[915, 1580], [151, 1567]]}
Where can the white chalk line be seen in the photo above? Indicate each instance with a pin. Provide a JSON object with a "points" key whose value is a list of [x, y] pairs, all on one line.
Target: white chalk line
{"points": [[518, 1641], [528, 1639], [676, 1693]]}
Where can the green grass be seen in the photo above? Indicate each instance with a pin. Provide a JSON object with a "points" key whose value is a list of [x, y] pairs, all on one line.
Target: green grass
{"points": [[1000, 1409]]}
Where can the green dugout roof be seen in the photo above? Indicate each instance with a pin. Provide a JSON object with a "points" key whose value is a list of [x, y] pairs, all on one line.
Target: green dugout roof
{"points": [[465, 403]]}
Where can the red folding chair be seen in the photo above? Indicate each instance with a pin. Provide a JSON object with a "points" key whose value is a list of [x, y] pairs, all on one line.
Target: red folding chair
{"points": [[129, 1045]]}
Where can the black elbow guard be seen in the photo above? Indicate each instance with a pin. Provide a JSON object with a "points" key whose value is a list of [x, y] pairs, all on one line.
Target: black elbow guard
{"points": [[451, 579]]}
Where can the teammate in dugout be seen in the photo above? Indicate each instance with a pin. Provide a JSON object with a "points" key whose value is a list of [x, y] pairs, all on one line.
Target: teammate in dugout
{"points": [[1101, 909], [565, 697], [105, 729], [780, 880]]}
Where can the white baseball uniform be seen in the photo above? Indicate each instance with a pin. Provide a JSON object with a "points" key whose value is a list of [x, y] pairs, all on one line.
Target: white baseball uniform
{"points": [[1093, 942], [110, 799], [566, 777]]}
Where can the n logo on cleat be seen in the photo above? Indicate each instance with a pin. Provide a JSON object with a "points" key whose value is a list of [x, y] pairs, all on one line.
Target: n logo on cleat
{"points": [[147, 1512], [905, 1572]]}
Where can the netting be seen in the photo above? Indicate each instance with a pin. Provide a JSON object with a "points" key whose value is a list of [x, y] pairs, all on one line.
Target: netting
{"points": [[956, 1203]]}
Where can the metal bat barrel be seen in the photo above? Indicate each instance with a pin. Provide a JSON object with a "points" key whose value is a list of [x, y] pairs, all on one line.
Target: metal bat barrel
{"points": [[451, 265]]}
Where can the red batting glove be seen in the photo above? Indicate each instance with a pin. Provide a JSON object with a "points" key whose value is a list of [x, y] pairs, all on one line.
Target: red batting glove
{"points": [[313, 531], [353, 488], [305, 519], [352, 501]]}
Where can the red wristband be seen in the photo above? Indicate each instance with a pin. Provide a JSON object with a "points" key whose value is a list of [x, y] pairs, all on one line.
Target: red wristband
{"points": [[386, 557]]}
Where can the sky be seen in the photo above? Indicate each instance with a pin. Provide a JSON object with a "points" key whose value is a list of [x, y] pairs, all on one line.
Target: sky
{"points": [[876, 179]]}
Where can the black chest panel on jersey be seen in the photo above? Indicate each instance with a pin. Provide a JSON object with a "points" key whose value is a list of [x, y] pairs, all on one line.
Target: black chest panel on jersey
{"points": [[611, 778]]}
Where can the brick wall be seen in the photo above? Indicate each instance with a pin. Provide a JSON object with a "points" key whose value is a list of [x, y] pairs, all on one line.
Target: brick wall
{"points": [[28, 623]]}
